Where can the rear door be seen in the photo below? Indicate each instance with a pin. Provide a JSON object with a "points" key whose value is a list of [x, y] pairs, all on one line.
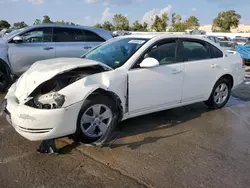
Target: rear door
{"points": [[73, 42], [202, 69], [37, 45]]}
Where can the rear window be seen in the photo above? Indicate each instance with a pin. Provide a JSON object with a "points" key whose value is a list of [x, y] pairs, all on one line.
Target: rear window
{"points": [[216, 53]]}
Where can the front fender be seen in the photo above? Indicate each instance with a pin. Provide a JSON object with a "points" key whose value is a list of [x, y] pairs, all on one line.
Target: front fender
{"points": [[80, 90]]}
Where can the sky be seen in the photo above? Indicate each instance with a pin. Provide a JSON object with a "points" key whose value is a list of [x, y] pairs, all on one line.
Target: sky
{"points": [[90, 12]]}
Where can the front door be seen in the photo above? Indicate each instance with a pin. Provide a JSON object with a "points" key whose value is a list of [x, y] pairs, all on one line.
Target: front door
{"points": [[157, 87], [37, 45]]}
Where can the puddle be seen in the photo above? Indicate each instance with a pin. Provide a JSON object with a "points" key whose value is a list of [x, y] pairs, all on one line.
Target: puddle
{"points": [[234, 101]]}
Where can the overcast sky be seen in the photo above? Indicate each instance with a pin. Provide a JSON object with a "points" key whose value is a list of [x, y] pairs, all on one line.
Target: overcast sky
{"points": [[90, 12]]}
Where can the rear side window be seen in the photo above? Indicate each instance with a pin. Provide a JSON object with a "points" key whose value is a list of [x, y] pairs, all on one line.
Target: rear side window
{"points": [[68, 35], [216, 53], [92, 37], [195, 50]]}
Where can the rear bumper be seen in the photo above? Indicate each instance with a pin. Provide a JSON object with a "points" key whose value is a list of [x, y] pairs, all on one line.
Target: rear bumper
{"points": [[39, 124]]}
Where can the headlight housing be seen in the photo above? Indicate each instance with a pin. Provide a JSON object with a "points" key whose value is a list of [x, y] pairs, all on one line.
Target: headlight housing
{"points": [[49, 101]]}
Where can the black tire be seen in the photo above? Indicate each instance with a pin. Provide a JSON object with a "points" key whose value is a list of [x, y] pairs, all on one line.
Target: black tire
{"points": [[211, 102], [4, 81], [80, 136]]}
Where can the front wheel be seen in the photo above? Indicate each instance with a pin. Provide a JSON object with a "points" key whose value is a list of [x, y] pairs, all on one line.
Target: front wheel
{"points": [[220, 94], [97, 118]]}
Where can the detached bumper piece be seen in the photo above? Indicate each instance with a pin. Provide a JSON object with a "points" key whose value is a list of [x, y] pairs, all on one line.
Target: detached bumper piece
{"points": [[48, 147]]}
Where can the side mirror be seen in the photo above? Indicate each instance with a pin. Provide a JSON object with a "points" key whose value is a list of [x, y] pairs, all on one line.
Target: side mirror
{"points": [[18, 39], [149, 63]]}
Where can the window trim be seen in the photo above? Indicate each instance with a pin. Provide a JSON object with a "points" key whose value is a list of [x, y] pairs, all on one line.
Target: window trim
{"points": [[194, 40], [30, 29], [177, 50]]}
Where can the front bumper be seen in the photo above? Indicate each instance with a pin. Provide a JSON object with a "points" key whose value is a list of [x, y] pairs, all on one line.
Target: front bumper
{"points": [[40, 124]]}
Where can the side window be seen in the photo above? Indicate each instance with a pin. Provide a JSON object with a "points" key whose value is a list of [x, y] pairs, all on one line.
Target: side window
{"points": [[216, 52], [38, 35], [68, 35], [195, 50], [164, 52], [92, 37]]}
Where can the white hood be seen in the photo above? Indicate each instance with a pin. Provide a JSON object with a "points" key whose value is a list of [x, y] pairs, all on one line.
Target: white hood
{"points": [[44, 70]]}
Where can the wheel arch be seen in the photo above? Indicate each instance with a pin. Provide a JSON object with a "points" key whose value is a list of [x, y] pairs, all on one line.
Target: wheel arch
{"points": [[229, 77], [111, 95], [5, 67]]}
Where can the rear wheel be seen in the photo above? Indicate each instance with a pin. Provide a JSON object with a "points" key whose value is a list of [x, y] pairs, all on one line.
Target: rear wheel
{"points": [[220, 94], [96, 119]]}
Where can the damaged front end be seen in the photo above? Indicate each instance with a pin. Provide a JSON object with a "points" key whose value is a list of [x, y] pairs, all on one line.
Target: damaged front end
{"points": [[46, 95]]}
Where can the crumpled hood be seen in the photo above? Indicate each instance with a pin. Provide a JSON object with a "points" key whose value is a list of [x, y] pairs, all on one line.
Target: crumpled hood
{"points": [[44, 70]]}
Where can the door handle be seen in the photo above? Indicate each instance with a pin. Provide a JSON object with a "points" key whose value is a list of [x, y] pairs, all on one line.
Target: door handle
{"points": [[214, 66], [176, 71], [48, 48], [87, 47]]}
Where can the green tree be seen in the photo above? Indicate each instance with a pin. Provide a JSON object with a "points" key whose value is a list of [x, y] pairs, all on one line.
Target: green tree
{"points": [[192, 23], [173, 18], [60, 22], [108, 26], [98, 25], [4, 24], [226, 20], [19, 25], [137, 26], [121, 22], [178, 27], [46, 19], [160, 23], [37, 22]]}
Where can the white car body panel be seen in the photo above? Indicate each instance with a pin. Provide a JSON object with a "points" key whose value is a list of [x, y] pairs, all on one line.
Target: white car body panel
{"points": [[141, 91]]}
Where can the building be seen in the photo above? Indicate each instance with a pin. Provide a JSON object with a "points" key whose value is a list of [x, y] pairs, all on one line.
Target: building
{"points": [[240, 29]]}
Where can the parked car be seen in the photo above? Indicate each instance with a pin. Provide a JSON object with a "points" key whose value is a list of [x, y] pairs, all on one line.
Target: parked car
{"points": [[122, 78], [21, 48], [240, 40], [229, 45], [224, 38], [213, 38]]}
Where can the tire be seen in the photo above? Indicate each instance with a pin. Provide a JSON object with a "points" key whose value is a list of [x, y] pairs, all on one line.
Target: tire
{"points": [[96, 101], [218, 98], [4, 81]]}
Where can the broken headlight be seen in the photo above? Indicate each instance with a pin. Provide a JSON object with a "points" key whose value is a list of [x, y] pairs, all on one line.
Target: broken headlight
{"points": [[49, 101]]}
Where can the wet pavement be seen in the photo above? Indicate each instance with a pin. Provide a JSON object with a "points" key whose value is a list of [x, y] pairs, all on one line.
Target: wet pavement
{"points": [[183, 147]]}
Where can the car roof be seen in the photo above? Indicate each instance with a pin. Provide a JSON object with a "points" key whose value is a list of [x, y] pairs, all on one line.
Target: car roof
{"points": [[102, 32], [159, 36]]}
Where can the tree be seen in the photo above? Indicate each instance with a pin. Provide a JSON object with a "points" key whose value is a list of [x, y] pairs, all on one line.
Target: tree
{"points": [[4, 24], [226, 20], [160, 23], [98, 25], [121, 22], [139, 27], [192, 23], [19, 25], [37, 22], [108, 26], [178, 27], [60, 22], [46, 19]]}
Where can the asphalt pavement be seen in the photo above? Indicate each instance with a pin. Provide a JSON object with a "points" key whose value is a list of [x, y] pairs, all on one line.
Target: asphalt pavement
{"points": [[183, 147]]}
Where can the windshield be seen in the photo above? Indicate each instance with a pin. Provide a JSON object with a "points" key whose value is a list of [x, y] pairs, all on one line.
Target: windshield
{"points": [[116, 52]]}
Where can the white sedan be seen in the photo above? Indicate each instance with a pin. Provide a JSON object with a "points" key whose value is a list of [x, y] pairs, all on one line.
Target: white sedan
{"points": [[122, 78]]}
